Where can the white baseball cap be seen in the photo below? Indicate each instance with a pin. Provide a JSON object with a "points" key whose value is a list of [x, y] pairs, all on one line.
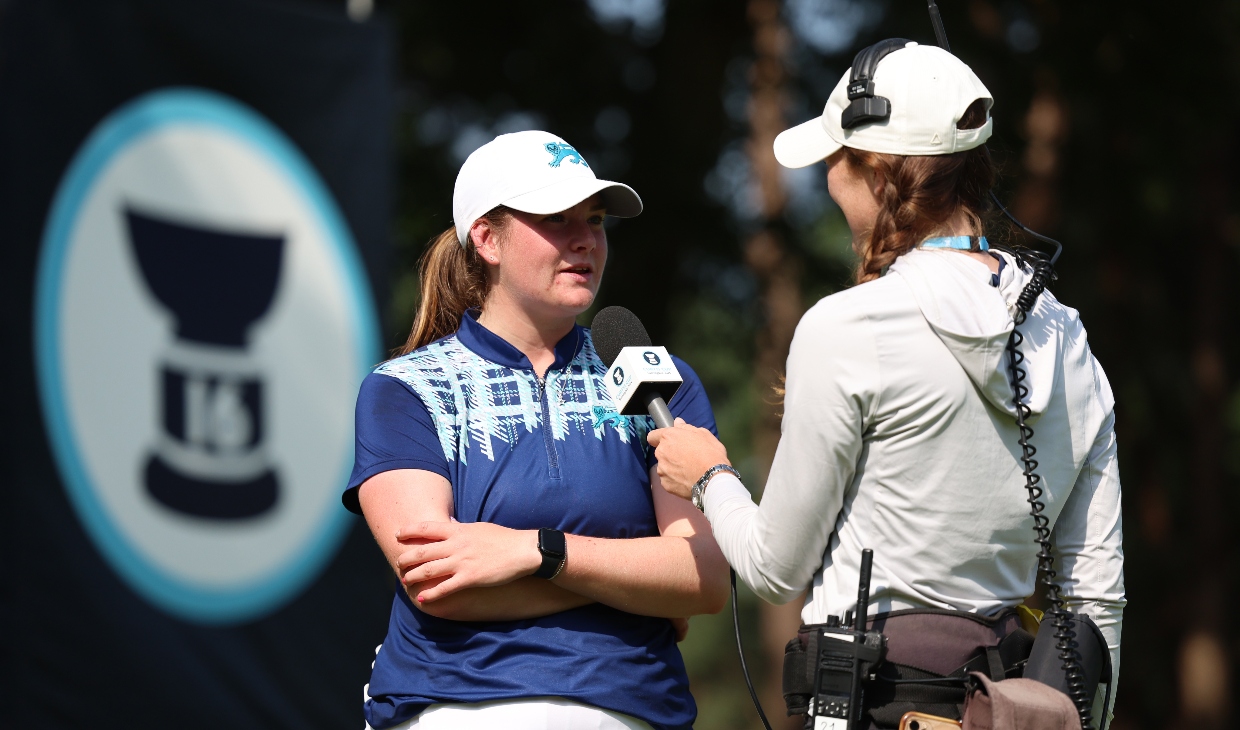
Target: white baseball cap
{"points": [[533, 172], [929, 90]]}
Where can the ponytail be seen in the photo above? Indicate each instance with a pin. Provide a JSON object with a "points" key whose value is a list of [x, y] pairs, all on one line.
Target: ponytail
{"points": [[921, 195], [453, 279]]}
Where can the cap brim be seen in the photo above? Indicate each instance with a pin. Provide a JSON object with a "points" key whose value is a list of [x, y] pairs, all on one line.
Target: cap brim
{"points": [[804, 144], [621, 200]]}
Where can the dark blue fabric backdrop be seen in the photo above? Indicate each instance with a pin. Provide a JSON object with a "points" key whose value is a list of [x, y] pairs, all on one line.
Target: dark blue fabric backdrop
{"points": [[79, 648]]}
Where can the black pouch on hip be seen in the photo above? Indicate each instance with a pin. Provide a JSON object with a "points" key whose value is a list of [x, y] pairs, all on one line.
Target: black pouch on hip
{"points": [[1047, 666]]}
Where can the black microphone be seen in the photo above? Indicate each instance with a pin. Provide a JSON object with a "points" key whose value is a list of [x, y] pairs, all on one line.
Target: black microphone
{"points": [[641, 378]]}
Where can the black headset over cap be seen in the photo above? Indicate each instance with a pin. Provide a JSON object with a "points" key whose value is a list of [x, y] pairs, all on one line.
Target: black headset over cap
{"points": [[865, 107]]}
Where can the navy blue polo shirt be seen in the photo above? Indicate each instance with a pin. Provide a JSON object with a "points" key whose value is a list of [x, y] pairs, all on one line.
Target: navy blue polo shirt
{"points": [[525, 453]]}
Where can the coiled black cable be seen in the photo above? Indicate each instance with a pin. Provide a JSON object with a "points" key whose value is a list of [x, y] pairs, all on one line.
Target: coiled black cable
{"points": [[1061, 619]]}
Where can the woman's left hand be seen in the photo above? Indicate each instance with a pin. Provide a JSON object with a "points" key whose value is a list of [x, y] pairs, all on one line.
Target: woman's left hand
{"points": [[685, 453], [465, 555]]}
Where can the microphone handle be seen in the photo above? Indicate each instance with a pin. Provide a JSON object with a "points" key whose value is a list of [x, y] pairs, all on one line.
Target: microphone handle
{"points": [[657, 408]]}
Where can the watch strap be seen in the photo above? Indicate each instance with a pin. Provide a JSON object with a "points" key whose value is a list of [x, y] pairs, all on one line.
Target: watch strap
{"points": [[699, 487], [554, 549]]}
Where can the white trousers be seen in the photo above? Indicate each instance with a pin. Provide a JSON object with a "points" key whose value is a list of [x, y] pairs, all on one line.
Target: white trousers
{"points": [[544, 713]]}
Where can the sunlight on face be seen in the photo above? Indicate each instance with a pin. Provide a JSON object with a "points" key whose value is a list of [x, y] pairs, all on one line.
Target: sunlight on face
{"points": [[551, 265]]}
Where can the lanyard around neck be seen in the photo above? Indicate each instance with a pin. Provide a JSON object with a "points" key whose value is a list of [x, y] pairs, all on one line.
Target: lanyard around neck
{"points": [[960, 243]]}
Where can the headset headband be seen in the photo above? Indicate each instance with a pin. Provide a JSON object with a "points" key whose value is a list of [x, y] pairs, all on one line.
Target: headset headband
{"points": [[865, 107]]}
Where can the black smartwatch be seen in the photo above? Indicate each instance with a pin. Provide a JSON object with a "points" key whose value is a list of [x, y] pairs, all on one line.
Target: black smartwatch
{"points": [[554, 551]]}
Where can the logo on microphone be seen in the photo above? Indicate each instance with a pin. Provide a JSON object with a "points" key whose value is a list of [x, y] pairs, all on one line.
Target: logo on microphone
{"points": [[618, 376], [651, 357], [202, 324]]}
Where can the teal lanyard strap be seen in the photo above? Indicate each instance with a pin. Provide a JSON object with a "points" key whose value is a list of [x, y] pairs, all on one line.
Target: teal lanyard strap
{"points": [[960, 243]]}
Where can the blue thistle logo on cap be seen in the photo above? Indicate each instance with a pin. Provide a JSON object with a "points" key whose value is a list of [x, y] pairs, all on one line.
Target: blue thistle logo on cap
{"points": [[564, 151]]}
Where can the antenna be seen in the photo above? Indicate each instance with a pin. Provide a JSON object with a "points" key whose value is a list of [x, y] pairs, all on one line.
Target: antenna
{"points": [[863, 588], [939, 34]]}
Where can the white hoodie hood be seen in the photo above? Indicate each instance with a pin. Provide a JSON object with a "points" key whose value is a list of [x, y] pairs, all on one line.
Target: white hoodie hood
{"points": [[974, 320]]}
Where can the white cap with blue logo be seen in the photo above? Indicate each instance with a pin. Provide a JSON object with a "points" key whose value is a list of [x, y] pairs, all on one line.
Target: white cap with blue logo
{"points": [[533, 172]]}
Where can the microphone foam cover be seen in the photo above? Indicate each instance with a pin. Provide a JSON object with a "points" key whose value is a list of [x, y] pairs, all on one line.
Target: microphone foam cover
{"points": [[615, 328]]}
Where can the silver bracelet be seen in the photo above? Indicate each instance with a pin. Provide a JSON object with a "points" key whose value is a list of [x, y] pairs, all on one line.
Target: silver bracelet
{"points": [[699, 487]]}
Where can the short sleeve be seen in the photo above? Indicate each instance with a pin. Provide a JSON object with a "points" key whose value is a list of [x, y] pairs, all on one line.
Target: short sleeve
{"points": [[689, 403], [394, 430]]}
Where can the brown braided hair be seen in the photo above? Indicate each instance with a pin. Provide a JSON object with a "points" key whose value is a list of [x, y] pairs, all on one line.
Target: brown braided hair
{"points": [[452, 278], [921, 194]]}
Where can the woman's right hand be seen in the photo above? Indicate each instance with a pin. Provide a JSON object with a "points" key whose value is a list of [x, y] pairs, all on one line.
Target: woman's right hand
{"points": [[685, 453], [464, 555]]}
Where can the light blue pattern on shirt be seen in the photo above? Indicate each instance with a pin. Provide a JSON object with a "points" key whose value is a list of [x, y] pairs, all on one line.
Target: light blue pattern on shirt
{"points": [[498, 404]]}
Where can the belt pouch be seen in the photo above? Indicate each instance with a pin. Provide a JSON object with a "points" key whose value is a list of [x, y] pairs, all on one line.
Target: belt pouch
{"points": [[1046, 667], [1016, 704], [798, 679], [925, 646]]}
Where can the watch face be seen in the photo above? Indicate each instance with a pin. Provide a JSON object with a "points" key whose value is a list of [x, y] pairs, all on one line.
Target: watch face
{"points": [[551, 542]]}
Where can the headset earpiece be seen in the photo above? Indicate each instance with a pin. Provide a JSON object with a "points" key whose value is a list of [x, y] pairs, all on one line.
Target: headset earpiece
{"points": [[865, 107]]}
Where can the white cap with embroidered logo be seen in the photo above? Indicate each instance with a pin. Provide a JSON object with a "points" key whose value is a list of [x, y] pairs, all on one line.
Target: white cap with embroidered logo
{"points": [[533, 172], [929, 90]]}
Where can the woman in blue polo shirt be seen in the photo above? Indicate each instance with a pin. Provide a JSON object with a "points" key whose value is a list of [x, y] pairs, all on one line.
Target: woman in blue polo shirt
{"points": [[543, 582]]}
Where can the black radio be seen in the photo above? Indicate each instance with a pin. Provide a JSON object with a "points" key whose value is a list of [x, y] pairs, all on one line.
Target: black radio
{"points": [[827, 665]]}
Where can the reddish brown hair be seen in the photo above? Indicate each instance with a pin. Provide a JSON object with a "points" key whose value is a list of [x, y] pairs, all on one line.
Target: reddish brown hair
{"points": [[921, 194], [452, 279]]}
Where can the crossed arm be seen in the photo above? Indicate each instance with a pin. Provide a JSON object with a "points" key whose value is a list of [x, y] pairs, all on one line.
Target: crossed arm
{"points": [[481, 571]]}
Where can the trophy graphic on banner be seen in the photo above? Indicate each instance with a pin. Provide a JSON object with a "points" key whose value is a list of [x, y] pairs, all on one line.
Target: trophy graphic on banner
{"points": [[210, 459]]}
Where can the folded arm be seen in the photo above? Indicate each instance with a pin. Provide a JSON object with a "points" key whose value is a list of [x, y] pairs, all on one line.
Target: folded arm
{"points": [[392, 500], [680, 573], [480, 571]]}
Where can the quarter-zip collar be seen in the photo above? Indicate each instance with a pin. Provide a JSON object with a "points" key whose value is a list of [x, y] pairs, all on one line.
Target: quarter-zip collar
{"points": [[491, 346]]}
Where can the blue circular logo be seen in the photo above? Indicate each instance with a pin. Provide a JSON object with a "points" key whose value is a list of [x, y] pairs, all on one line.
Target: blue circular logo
{"points": [[202, 322]]}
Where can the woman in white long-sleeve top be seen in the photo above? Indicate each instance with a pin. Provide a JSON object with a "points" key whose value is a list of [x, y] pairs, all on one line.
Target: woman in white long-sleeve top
{"points": [[899, 429]]}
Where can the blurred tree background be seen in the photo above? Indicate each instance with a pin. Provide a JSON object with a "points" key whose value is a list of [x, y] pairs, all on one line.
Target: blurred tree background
{"points": [[1115, 124]]}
